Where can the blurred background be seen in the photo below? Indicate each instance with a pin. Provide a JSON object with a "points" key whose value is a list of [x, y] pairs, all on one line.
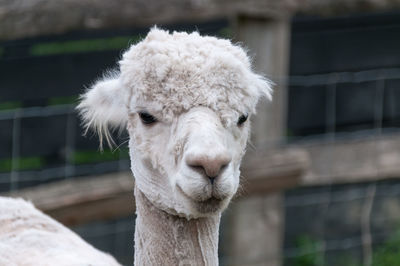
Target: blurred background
{"points": [[321, 177]]}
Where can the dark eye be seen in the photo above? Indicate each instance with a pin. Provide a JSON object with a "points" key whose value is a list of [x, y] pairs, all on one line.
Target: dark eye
{"points": [[242, 119], [147, 118]]}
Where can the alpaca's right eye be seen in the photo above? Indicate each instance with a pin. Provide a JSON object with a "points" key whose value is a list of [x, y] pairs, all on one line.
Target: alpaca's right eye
{"points": [[147, 118], [242, 119]]}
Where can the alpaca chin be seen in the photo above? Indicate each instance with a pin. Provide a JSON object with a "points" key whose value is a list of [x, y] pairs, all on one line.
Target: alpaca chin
{"points": [[211, 206], [206, 207]]}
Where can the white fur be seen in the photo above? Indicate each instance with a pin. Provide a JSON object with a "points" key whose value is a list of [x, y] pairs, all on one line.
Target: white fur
{"points": [[197, 87], [28, 237], [103, 106]]}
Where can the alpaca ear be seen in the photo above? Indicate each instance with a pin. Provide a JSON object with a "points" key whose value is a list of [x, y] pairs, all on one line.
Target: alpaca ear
{"points": [[103, 106], [264, 87]]}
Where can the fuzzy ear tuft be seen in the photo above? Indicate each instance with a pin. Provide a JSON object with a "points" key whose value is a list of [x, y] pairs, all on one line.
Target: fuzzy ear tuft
{"points": [[264, 87], [103, 107]]}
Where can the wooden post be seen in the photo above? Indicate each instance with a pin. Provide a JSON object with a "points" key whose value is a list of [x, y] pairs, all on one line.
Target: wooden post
{"points": [[257, 222], [268, 43]]}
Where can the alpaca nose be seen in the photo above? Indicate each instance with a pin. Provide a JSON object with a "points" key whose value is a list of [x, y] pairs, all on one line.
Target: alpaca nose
{"points": [[210, 166]]}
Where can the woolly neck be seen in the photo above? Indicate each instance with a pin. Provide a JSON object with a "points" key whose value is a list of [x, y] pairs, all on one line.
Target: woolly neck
{"points": [[165, 239]]}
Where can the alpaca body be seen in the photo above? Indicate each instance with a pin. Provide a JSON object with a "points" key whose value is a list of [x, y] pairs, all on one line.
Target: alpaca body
{"points": [[29, 237]]}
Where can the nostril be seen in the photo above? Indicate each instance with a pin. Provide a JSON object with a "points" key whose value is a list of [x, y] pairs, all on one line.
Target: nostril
{"points": [[196, 166], [212, 179], [223, 166], [209, 166]]}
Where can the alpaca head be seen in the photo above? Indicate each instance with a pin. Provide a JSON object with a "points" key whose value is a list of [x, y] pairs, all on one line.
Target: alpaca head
{"points": [[185, 100]]}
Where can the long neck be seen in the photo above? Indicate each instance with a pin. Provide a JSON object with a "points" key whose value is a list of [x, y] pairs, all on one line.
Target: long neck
{"points": [[165, 239]]}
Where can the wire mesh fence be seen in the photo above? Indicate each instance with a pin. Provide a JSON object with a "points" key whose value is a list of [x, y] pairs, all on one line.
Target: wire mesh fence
{"points": [[349, 95], [331, 224]]}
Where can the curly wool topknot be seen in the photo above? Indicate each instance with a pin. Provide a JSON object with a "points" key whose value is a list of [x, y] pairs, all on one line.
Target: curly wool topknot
{"points": [[175, 72], [168, 74]]}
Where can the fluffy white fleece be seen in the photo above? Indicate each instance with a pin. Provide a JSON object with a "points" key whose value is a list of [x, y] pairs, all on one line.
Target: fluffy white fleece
{"points": [[179, 71], [29, 237], [176, 72]]}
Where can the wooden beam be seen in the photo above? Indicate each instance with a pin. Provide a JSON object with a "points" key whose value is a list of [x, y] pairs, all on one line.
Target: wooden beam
{"points": [[354, 160], [269, 171], [27, 18], [344, 7], [81, 200]]}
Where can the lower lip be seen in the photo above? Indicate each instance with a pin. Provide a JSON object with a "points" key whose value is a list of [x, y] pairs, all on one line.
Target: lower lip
{"points": [[211, 205], [212, 201]]}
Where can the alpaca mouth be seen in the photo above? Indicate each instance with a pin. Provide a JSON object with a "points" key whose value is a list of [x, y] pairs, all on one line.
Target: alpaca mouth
{"points": [[210, 205], [211, 200]]}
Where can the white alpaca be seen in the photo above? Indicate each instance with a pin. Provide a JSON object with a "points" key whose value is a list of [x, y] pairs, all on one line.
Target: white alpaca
{"points": [[28, 237], [185, 100]]}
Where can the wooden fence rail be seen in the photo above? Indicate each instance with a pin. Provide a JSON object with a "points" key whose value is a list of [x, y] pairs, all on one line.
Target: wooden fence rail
{"points": [[81, 200]]}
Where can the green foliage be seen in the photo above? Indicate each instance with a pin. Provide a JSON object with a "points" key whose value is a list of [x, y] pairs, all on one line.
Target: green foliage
{"points": [[63, 100], [79, 157], [23, 163], [225, 33], [309, 252], [9, 105], [81, 46], [348, 259], [83, 157], [289, 133], [389, 253]]}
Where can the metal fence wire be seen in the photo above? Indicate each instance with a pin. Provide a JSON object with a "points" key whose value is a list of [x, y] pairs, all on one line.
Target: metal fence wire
{"points": [[333, 224]]}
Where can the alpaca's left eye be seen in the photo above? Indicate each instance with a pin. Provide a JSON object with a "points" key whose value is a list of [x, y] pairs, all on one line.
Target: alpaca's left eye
{"points": [[147, 118], [242, 119]]}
